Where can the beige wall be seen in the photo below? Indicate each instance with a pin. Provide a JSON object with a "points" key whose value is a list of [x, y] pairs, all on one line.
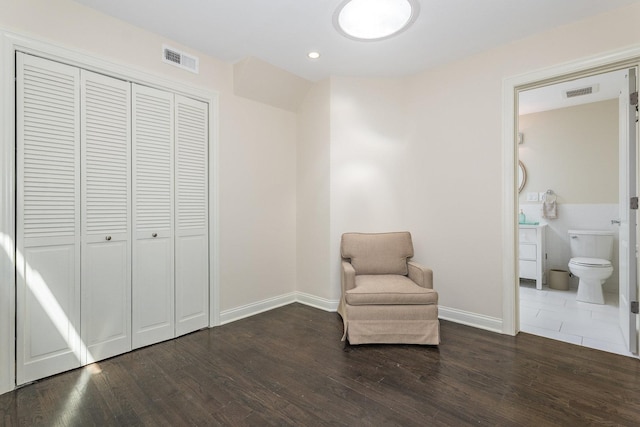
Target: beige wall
{"points": [[369, 153], [573, 151], [257, 143], [457, 167], [257, 202], [313, 248]]}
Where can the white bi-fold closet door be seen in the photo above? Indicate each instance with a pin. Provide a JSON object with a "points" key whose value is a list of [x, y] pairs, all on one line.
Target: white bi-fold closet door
{"points": [[191, 215], [170, 244], [48, 219], [105, 200], [153, 241], [112, 238]]}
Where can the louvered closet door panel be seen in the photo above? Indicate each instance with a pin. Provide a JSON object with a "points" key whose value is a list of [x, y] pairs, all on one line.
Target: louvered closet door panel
{"points": [[48, 218], [153, 272], [106, 188], [192, 238]]}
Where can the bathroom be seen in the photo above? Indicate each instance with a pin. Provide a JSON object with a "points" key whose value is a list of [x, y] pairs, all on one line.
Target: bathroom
{"points": [[569, 151]]}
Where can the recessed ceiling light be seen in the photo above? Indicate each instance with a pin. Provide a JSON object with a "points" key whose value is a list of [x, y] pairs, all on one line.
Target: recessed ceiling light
{"points": [[313, 55], [374, 19]]}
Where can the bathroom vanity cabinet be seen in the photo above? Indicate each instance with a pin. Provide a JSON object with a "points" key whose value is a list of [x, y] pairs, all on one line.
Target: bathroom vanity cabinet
{"points": [[532, 253]]}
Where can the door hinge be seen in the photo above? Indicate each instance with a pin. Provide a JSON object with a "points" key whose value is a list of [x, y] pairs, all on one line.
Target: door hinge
{"points": [[634, 307], [633, 203], [633, 98]]}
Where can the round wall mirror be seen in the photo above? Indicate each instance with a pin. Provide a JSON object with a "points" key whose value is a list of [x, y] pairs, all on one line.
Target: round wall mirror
{"points": [[522, 176]]}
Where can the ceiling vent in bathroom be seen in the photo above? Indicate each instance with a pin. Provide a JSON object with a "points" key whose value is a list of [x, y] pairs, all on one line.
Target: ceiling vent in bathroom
{"points": [[180, 59], [587, 90]]}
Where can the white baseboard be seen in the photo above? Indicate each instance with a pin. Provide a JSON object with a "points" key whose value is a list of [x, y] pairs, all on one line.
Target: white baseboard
{"points": [[475, 320], [317, 302], [231, 315], [248, 310]]}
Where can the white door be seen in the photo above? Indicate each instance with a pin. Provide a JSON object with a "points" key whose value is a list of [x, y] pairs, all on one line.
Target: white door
{"points": [[106, 184], [48, 218], [153, 300], [192, 238], [628, 220]]}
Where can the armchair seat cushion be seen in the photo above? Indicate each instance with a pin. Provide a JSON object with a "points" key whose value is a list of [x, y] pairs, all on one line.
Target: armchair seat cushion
{"points": [[388, 289]]}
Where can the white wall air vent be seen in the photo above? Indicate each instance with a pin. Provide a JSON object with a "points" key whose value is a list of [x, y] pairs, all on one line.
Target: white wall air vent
{"points": [[581, 91], [180, 59]]}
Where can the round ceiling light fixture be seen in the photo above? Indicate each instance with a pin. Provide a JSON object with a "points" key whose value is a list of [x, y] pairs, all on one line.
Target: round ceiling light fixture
{"points": [[370, 20]]}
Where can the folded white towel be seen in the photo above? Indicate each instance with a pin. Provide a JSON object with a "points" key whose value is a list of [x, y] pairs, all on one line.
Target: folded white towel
{"points": [[550, 209]]}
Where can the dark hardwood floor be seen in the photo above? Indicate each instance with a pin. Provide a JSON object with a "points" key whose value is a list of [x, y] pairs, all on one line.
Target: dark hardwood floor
{"points": [[288, 367]]}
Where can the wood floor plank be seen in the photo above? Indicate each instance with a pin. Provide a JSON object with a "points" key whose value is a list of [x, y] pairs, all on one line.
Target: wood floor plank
{"points": [[288, 367]]}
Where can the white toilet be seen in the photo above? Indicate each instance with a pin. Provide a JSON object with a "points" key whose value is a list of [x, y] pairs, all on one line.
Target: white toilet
{"points": [[591, 253]]}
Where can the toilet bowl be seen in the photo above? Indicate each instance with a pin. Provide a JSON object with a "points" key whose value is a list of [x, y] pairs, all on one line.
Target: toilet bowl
{"points": [[591, 254], [593, 273]]}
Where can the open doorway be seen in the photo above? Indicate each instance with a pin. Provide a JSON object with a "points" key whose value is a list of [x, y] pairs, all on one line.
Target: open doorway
{"points": [[573, 163]]}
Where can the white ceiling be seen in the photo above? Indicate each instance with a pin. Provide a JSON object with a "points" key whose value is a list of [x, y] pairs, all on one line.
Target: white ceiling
{"points": [[552, 97], [282, 32]]}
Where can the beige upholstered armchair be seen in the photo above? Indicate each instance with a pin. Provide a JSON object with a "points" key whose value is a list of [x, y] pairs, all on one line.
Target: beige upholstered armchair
{"points": [[385, 297]]}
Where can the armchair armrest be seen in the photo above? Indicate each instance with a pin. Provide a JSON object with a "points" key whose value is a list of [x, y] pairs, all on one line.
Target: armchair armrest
{"points": [[421, 275], [348, 276]]}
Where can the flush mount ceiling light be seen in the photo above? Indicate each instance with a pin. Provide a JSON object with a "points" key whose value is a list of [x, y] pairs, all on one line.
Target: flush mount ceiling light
{"points": [[374, 19], [313, 55]]}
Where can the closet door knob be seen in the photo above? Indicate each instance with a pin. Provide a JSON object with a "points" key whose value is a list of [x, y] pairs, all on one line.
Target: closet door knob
{"points": [[108, 237], [154, 235]]}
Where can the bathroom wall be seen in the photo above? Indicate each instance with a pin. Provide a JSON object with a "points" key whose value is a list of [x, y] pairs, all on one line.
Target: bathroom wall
{"points": [[574, 152]]}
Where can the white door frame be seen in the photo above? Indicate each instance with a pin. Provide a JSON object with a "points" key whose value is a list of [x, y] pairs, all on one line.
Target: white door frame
{"points": [[625, 58], [9, 44]]}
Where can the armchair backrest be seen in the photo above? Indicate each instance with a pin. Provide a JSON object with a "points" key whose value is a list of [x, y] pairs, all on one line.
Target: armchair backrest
{"points": [[377, 253]]}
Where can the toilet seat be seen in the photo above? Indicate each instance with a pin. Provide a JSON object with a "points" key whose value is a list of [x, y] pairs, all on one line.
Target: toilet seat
{"points": [[590, 262]]}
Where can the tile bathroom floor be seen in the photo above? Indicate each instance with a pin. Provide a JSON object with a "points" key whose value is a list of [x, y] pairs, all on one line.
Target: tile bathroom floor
{"points": [[557, 315]]}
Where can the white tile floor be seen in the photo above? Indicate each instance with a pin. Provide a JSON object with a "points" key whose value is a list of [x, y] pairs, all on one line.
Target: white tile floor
{"points": [[557, 315]]}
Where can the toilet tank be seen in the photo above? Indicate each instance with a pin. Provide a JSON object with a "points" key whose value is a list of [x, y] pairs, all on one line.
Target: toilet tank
{"points": [[591, 244]]}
